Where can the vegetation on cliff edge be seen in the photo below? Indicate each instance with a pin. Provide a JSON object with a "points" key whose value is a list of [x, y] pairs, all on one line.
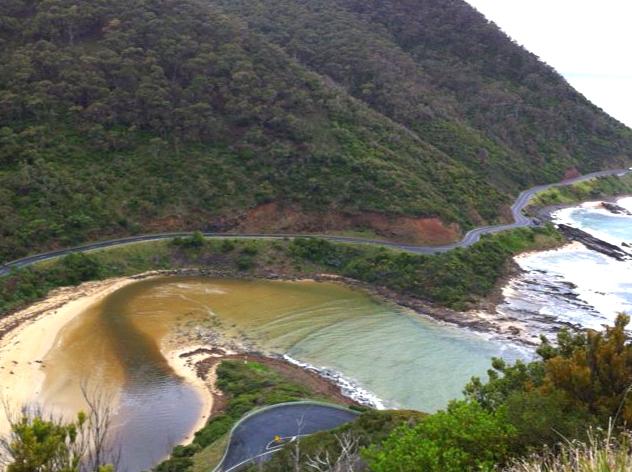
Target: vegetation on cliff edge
{"points": [[590, 190]]}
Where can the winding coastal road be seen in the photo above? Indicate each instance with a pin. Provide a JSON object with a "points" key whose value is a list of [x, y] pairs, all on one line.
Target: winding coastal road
{"points": [[471, 237], [253, 438]]}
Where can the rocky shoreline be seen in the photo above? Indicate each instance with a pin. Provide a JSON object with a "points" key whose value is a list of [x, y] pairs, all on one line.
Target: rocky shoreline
{"points": [[528, 291], [545, 214], [595, 244]]}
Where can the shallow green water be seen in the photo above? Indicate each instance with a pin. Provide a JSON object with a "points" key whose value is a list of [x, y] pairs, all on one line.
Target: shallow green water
{"points": [[404, 359]]}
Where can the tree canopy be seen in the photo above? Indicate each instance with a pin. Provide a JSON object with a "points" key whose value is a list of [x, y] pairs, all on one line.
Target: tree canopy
{"points": [[121, 116]]}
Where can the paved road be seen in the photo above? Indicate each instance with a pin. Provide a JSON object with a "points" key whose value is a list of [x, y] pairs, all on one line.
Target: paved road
{"points": [[471, 237], [253, 438]]}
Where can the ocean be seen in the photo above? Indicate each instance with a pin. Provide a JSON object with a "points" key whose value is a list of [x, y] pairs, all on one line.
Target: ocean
{"points": [[574, 286]]}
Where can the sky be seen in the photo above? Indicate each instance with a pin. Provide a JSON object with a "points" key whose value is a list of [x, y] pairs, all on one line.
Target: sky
{"points": [[588, 41]]}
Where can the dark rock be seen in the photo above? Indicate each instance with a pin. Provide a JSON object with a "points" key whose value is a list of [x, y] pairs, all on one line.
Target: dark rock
{"points": [[514, 330], [593, 243], [614, 208]]}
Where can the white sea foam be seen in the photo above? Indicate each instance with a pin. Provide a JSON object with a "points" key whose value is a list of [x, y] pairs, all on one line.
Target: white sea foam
{"points": [[625, 203], [598, 222], [574, 285], [599, 281], [348, 387]]}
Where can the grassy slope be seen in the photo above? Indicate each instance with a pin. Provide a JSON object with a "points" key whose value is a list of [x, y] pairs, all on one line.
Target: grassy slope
{"points": [[583, 191]]}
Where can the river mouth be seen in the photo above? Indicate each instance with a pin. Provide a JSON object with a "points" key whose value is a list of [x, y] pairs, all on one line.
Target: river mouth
{"points": [[404, 359], [113, 348]]}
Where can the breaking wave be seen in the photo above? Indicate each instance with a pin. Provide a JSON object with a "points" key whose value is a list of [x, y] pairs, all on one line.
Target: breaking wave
{"points": [[574, 286], [348, 387]]}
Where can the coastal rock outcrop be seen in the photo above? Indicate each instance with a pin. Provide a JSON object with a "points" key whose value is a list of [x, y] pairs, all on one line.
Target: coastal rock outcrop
{"points": [[593, 243], [614, 208]]}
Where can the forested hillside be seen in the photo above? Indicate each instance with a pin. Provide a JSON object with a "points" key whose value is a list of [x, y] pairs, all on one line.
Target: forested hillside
{"points": [[441, 69], [127, 116]]}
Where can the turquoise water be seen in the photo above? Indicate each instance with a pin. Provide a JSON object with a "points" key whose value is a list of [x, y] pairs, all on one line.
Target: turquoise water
{"points": [[603, 282], [380, 352], [405, 360], [575, 286], [615, 228]]}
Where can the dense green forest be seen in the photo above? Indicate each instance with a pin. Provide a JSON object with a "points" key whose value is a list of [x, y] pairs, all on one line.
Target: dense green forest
{"points": [[127, 116], [441, 69]]}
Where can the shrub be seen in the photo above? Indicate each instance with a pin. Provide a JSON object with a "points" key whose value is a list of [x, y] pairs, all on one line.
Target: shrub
{"points": [[227, 245], [196, 240], [245, 262], [464, 437]]}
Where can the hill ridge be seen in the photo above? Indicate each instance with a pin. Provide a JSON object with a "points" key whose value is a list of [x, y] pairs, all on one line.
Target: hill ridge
{"points": [[120, 117]]}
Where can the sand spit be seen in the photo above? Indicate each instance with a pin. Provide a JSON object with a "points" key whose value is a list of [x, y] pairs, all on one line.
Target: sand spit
{"points": [[29, 334], [184, 362]]}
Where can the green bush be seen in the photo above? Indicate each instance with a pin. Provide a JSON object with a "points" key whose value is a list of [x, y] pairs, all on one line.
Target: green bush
{"points": [[28, 284], [196, 240], [465, 437], [245, 262], [227, 245], [453, 278]]}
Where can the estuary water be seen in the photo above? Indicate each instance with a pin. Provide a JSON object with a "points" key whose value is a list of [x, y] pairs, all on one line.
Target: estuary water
{"points": [[379, 352], [574, 286]]}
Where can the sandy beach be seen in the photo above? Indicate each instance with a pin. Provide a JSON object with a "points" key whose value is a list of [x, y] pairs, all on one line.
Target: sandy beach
{"points": [[32, 332], [28, 335], [184, 365]]}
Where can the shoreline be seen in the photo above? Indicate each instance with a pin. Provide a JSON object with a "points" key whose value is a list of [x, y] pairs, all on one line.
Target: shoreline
{"points": [[420, 306], [584, 240], [26, 336], [545, 213], [185, 367], [206, 359], [508, 327]]}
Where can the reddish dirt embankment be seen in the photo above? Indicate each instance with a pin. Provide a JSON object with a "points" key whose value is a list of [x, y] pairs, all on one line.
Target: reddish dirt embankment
{"points": [[274, 218]]}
